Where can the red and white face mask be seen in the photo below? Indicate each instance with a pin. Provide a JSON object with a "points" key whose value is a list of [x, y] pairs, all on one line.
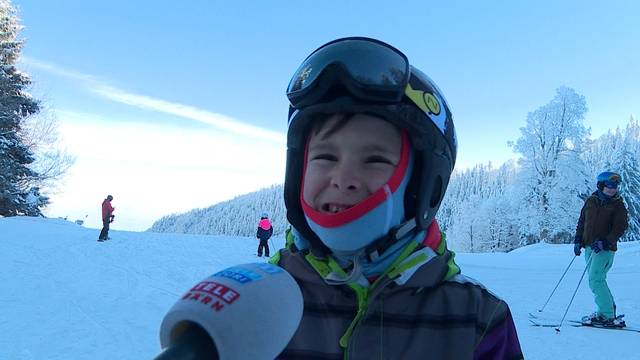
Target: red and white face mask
{"points": [[351, 227]]}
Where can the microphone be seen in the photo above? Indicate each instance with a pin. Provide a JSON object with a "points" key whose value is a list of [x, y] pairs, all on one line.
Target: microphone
{"points": [[248, 311]]}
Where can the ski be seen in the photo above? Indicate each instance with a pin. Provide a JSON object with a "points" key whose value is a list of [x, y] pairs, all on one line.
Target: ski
{"points": [[576, 323], [535, 318], [542, 322]]}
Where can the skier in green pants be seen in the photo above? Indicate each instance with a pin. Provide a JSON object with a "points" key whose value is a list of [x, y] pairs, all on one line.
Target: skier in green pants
{"points": [[602, 222]]}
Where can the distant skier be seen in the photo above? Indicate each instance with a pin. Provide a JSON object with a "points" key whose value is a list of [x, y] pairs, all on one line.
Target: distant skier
{"points": [[265, 230], [107, 218], [602, 222]]}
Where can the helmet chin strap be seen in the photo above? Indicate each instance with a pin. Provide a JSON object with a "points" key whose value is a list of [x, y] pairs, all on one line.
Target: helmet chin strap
{"points": [[374, 250], [355, 273]]}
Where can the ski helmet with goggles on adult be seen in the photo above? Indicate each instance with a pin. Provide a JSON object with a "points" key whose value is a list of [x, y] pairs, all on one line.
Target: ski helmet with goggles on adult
{"points": [[609, 179], [363, 75]]}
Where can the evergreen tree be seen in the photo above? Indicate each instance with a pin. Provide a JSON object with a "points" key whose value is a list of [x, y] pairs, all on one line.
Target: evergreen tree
{"points": [[17, 196], [471, 195], [633, 132], [627, 166], [596, 157]]}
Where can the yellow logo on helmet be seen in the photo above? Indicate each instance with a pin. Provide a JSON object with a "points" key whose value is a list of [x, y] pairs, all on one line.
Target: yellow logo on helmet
{"points": [[432, 103], [424, 100]]}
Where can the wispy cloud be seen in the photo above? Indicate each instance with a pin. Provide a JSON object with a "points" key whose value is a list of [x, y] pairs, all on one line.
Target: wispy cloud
{"points": [[220, 121], [57, 70], [100, 87]]}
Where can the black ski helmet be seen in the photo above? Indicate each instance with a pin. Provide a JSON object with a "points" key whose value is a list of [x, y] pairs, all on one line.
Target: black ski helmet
{"points": [[420, 109]]}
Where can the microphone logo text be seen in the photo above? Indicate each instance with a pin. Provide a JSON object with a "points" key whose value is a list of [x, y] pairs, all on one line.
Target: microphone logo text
{"points": [[212, 294]]}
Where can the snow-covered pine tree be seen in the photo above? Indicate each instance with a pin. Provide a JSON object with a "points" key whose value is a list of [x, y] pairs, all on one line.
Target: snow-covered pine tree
{"points": [[462, 187], [626, 164], [600, 155], [17, 196], [552, 171], [633, 132], [494, 225], [470, 196]]}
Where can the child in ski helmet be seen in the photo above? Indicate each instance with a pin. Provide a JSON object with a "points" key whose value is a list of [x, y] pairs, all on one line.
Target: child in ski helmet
{"points": [[264, 232], [370, 149], [603, 220]]}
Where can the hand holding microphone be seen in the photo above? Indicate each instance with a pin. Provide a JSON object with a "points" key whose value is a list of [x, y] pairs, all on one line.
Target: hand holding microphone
{"points": [[247, 311]]}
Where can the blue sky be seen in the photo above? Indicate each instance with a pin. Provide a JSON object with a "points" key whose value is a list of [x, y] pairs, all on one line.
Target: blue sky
{"points": [[138, 86]]}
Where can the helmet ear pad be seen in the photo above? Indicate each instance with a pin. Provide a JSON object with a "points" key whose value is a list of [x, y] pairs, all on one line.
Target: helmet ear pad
{"points": [[427, 188], [434, 162]]}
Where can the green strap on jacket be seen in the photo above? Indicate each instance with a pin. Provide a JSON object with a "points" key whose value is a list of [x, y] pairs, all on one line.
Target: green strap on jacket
{"points": [[327, 265]]}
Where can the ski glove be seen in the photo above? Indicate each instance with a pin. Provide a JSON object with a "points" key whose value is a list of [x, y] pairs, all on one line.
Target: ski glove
{"points": [[598, 246], [577, 239], [576, 249]]}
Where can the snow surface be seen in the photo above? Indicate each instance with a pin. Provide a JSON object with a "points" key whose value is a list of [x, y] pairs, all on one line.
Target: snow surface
{"points": [[63, 295]]}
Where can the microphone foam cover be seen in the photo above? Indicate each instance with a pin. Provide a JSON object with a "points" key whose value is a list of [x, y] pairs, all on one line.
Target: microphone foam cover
{"points": [[250, 311]]}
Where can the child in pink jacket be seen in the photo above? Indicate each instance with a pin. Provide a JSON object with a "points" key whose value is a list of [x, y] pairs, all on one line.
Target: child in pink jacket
{"points": [[265, 230]]}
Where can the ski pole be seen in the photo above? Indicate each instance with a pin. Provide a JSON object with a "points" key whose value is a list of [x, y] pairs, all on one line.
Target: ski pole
{"points": [[574, 295], [555, 288]]}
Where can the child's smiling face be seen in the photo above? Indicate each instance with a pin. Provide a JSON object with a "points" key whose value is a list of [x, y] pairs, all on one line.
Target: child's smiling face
{"points": [[346, 165]]}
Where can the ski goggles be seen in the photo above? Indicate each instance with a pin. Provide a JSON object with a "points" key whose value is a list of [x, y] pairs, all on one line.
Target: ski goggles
{"points": [[614, 178], [611, 184], [369, 69]]}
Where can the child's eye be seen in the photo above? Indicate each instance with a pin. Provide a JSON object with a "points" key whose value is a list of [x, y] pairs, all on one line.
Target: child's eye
{"points": [[378, 159], [328, 157]]}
